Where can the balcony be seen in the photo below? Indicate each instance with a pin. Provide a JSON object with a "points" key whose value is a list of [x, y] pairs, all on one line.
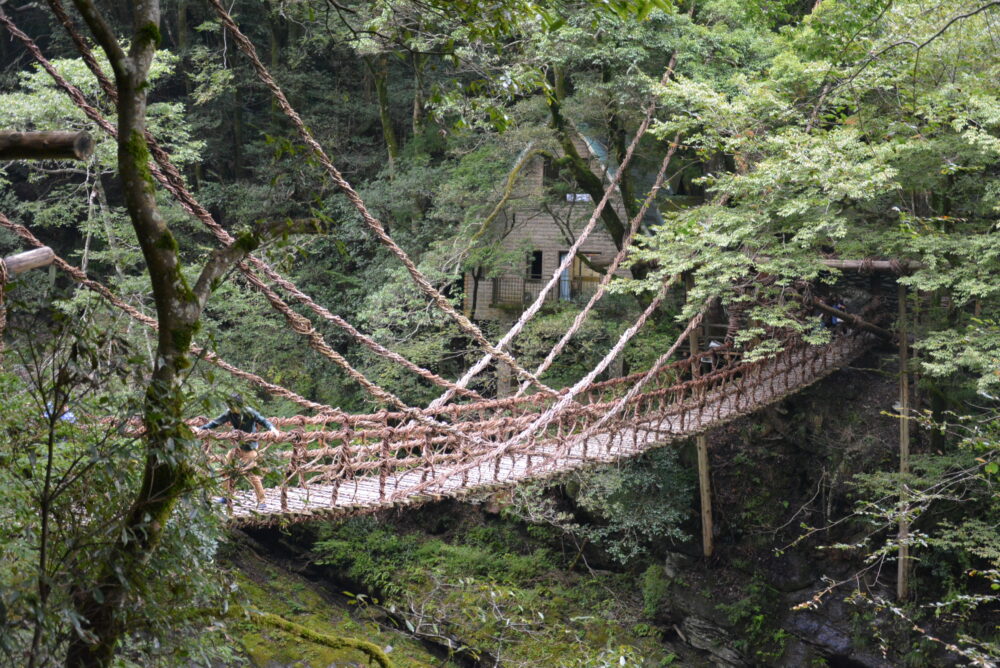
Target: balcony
{"points": [[516, 292]]}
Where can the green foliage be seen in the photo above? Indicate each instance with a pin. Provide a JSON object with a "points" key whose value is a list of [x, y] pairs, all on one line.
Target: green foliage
{"points": [[62, 480], [754, 614], [655, 584], [642, 501], [489, 589]]}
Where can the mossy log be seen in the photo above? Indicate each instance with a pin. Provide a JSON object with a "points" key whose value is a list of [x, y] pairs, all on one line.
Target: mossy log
{"points": [[372, 651]]}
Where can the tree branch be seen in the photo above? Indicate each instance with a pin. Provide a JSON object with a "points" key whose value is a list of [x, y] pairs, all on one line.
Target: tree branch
{"points": [[224, 258]]}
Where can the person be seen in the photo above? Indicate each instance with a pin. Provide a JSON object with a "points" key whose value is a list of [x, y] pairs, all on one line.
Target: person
{"points": [[63, 414], [840, 306], [243, 418]]}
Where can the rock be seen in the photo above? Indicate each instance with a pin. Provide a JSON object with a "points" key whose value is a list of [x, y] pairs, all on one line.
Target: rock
{"points": [[833, 643], [791, 572], [706, 636]]}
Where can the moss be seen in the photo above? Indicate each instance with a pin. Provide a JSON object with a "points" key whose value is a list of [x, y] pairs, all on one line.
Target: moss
{"points": [[167, 241], [287, 595], [149, 34], [247, 241], [136, 147], [181, 337]]}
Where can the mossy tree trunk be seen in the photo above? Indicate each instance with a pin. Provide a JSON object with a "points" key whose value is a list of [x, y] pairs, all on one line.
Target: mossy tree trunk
{"points": [[379, 68], [170, 448]]}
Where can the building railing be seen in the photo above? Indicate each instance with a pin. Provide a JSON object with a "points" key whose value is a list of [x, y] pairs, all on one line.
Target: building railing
{"points": [[518, 291]]}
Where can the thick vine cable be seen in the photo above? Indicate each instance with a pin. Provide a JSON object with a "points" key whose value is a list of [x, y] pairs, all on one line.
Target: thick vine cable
{"points": [[171, 179], [466, 325], [530, 312], [81, 277], [611, 269]]}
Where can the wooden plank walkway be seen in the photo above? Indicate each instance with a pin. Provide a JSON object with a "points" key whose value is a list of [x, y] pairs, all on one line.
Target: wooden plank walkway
{"points": [[547, 457]]}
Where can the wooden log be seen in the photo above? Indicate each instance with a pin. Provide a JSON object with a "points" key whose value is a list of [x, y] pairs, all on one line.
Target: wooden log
{"points": [[903, 565], [45, 146], [705, 488], [22, 262]]}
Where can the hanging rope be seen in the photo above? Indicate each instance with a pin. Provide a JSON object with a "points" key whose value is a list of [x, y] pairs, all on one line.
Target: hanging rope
{"points": [[80, 277], [546, 418], [466, 325], [168, 176], [4, 277], [536, 306], [602, 286]]}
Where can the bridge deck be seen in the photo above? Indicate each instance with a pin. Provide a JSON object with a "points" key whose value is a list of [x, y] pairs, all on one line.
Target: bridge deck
{"points": [[366, 493]]}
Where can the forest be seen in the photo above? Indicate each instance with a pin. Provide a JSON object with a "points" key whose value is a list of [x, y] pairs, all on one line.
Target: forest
{"points": [[500, 333]]}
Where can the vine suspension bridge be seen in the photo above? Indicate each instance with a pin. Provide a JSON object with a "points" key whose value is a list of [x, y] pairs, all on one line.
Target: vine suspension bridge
{"points": [[334, 463], [367, 462]]}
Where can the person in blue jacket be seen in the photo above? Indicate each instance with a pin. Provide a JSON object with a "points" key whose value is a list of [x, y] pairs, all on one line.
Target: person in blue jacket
{"points": [[243, 418]]}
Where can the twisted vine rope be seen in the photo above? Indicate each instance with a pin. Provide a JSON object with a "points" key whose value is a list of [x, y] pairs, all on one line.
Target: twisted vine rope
{"points": [[81, 277], [373, 224], [602, 286], [168, 176], [4, 278], [532, 310]]}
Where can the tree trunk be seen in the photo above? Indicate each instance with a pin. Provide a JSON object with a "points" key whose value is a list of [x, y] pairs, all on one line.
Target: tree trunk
{"points": [[169, 441], [379, 66], [586, 179], [418, 93], [237, 134], [705, 492]]}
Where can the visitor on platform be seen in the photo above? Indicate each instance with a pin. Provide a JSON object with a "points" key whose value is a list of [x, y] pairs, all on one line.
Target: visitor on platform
{"points": [[244, 456]]}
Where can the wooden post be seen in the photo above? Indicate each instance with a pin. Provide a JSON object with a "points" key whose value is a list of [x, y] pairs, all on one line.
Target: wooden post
{"points": [[22, 262], [45, 145], [705, 488], [903, 577]]}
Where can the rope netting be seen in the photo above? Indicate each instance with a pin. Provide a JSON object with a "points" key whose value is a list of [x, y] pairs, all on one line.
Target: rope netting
{"points": [[4, 278], [383, 459]]}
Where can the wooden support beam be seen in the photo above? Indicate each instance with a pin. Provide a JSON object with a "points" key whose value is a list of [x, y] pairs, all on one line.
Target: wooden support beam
{"points": [[903, 565], [705, 489], [22, 262], [895, 266], [45, 145]]}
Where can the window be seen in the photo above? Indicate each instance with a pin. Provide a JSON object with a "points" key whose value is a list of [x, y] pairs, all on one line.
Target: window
{"points": [[578, 279], [534, 268]]}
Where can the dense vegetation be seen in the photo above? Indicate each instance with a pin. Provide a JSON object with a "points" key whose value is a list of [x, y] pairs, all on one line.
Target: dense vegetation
{"points": [[800, 132]]}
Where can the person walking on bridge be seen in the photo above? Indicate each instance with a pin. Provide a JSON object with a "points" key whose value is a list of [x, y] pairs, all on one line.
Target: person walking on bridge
{"points": [[243, 418]]}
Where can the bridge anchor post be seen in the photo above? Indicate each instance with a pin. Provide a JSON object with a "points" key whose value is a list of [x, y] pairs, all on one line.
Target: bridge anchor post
{"points": [[705, 489], [903, 566]]}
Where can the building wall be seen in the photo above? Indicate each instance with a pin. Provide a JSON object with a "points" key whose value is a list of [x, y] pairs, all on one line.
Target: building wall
{"points": [[536, 230], [532, 228]]}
